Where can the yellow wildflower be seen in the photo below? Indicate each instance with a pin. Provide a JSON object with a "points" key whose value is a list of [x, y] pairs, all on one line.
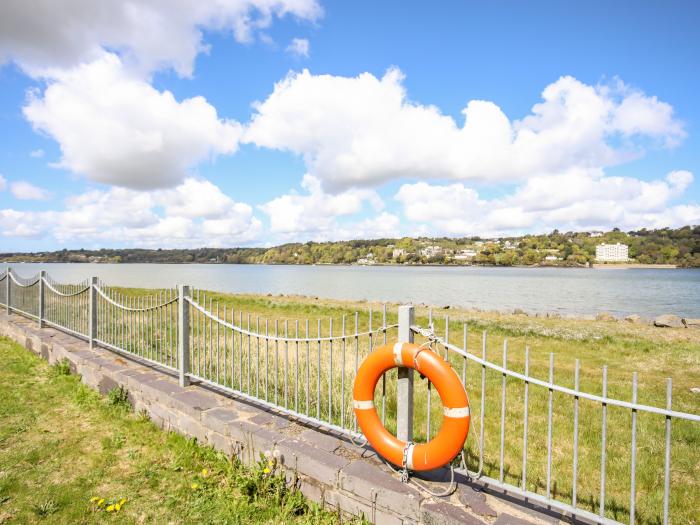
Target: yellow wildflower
{"points": [[122, 501], [266, 470], [194, 486], [117, 507], [94, 499], [205, 473], [110, 508], [100, 502]]}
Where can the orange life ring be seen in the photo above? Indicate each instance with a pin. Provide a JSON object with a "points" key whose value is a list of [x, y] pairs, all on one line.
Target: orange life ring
{"points": [[455, 427]]}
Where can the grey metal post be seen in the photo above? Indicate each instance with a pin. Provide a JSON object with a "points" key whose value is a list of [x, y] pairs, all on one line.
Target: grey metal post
{"points": [[8, 288], [92, 328], [42, 308], [183, 342], [404, 389]]}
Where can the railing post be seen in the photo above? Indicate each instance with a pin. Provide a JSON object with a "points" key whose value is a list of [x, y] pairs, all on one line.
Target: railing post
{"points": [[92, 329], [8, 288], [42, 275], [183, 340], [404, 389]]}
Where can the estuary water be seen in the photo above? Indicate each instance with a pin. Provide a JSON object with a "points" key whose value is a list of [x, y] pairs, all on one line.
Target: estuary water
{"points": [[567, 291]]}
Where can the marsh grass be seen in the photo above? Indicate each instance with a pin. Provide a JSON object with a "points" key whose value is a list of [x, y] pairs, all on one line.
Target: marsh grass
{"points": [[66, 456]]}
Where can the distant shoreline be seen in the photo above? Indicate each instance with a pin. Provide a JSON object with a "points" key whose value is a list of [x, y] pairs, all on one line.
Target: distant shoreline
{"points": [[594, 266], [632, 266]]}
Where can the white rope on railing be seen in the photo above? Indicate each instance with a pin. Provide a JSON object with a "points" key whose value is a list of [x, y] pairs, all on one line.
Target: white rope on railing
{"points": [[26, 283], [64, 294], [553, 386], [243, 331], [130, 309]]}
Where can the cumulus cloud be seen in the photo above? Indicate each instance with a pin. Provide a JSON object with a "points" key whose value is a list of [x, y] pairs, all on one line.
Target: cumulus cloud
{"points": [[322, 216], [298, 47], [577, 200], [150, 34], [385, 225], [116, 129], [316, 211], [357, 131], [24, 190], [167, 218]]}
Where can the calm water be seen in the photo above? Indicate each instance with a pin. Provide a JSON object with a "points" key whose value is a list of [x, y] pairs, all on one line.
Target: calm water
{"points": [[563, 290]]}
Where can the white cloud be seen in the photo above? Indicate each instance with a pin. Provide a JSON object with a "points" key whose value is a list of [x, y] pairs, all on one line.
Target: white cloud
{"points": [[364, 130], [573, 201], [116, 129], [639, 114], [159, 218], [385, 225], [37, 153], [25, 224], [24, 190], [196, 198], [150, 34], [298, 47], [315, 212], [3, 183]]}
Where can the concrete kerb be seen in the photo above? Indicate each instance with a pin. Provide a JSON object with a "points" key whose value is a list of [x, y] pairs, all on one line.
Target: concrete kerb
{"points": [[326, 467]]}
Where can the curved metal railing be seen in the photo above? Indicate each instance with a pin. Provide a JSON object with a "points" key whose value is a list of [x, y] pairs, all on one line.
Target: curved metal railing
{"points": [[303, 368], [534, 442], [23, 298], [537, 442], [127, 308], [246, 332], [66, 306], [143, 326]]}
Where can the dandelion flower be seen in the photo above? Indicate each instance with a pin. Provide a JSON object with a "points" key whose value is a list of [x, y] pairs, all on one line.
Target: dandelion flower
{"points": [[117, 507], [100, 502], [110, 508], [94, 499], [266, 470], [205, 472], [122, 501], [194, 486]]}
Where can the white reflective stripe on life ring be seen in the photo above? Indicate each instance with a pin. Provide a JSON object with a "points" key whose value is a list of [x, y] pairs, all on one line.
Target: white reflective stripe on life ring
{"points": [[456, 412], [397, 354], [362, 405]]}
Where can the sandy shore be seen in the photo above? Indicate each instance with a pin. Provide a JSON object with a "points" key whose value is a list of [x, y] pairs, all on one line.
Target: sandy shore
{"points": [[627, 266]]}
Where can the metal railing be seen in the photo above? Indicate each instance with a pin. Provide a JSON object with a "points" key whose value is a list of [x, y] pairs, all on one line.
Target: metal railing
{"points": [[527, 437], [514, 403], [301, 367]]}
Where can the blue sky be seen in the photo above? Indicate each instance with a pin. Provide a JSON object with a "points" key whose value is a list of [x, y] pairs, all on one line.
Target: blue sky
{"points": [[579, 116]]}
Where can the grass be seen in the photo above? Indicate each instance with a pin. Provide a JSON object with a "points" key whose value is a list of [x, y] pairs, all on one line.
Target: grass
{"points": [[69, 456], [624, 348]]}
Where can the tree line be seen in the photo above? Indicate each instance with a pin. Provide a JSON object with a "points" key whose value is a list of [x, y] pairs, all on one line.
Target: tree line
{"points": [[680, 246]]}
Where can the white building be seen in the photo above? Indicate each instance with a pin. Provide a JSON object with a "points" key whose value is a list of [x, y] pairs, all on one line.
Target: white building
{"points": [[612, 252], [431, 251], [398, 252], [465, 255]]}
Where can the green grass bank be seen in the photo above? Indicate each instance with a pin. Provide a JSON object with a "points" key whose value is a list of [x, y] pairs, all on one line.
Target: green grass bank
{"points": [[68, 455]]}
